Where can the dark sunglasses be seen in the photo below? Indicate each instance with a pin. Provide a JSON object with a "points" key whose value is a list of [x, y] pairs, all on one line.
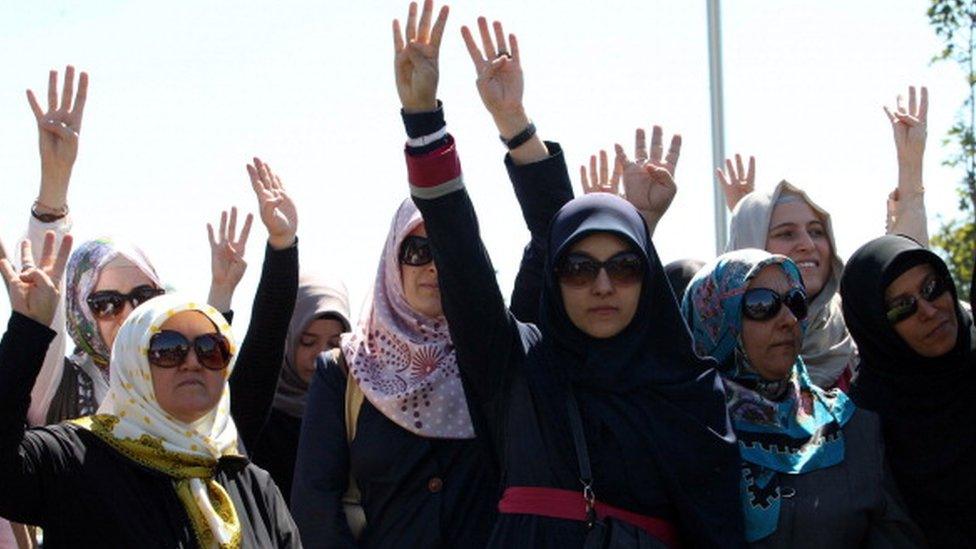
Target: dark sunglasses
{"points": [[579, 270], [904, 307], [169, 349], [109, 303], [763, 304], [415, 251]]}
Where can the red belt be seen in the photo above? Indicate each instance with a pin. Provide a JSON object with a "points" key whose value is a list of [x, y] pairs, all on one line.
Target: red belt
{"points": [[570, 505]]}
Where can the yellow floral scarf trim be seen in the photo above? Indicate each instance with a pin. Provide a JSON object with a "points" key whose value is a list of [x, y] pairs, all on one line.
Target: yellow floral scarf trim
{"points": [[149, 451]]}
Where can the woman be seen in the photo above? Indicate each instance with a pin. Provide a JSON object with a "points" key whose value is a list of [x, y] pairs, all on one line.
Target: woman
{"points": [[424, 478], [787, 222], [158, 465], [321, 314], [917, 367], [813, 467]]}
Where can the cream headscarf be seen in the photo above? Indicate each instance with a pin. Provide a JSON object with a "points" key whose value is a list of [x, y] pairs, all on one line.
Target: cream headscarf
{"points": [[828, 350], [131, 421]]}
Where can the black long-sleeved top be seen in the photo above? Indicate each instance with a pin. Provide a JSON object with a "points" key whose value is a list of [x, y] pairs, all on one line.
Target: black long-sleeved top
{"points": [[416, 491], [252, 385], [84, 493], [495, 352]]}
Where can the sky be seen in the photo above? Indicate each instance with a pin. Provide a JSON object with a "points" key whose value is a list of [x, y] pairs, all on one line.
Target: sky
{"points": [[183, 94]]}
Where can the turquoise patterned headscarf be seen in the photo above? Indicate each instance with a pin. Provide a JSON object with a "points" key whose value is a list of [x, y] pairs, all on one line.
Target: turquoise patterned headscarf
{"points": [[798, 432]]}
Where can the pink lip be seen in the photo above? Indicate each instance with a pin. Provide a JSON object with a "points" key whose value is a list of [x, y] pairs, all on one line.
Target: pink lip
{"points": [[190, 382], [936, 331], [602, 311]]}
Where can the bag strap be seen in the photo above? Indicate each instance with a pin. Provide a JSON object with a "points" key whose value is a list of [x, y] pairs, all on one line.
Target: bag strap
{"points": [[354, 396], [582, 457]]}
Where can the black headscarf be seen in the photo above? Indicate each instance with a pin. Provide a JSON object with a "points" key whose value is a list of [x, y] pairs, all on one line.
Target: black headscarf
{"points": [[680, 273], [926, 404], [643, 391]]}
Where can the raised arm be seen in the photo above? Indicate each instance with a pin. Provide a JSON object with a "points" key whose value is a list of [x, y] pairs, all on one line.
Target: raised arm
{"points": [[227, 265], [481, 328], [649, 178], [735, 181], [28, 458], [537, 169], [58, 129], [255, 376], [906, 204]]}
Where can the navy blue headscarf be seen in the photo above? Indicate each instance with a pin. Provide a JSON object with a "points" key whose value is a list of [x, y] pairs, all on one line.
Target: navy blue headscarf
{"points": [[643, 391]]}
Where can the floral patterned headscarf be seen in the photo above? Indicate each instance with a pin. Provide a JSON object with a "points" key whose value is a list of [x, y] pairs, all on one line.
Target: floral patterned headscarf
{"points": [[404, 361], [84, 268], [796, 431]]}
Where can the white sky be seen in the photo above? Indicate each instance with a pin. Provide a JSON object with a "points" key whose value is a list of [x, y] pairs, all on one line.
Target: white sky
{"points": [[184, 93]]}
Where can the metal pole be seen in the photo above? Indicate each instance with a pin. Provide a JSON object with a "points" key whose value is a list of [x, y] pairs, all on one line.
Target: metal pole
{"points": [[718, 118]]}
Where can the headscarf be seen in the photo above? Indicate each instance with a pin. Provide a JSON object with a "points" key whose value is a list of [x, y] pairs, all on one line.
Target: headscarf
{"points": [[828, 349], [404, 361], [132, 422], [797, 432], [643, 390], [318, 297], [925, 404], [680, 273], [85, 266]]}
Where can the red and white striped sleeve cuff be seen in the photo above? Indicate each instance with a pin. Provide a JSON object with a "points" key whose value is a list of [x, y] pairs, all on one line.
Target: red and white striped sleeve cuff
{"points": [[436, 173]]}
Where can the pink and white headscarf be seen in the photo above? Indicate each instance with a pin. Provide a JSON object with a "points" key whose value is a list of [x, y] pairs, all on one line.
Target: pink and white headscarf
{"points": [[404, 361]]}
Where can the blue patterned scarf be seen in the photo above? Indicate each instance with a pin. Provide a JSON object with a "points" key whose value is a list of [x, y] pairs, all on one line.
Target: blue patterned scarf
{"points": [[797, 431]]}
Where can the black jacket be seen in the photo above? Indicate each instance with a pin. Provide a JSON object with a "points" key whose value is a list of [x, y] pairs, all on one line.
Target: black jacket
{"points": [[83, 493]]}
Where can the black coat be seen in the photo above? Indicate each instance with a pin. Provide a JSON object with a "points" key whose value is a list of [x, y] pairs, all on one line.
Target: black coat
{"points": [[84, 493]]}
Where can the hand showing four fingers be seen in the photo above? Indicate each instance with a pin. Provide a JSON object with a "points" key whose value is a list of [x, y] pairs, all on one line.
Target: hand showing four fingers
{"points": [[649, 178], [277, 209], [58, 130], [35, 290], [500, 81], [735, 181], [601, 181], [416, 58], [910, 127], [227, 265]]}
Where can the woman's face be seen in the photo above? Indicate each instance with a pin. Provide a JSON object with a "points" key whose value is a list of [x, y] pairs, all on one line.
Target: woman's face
{"points": [[420, 287], [318, 336], [601, 309], [121, 276], [933, 329], [188, 391], [772, 345], [797, 232]]}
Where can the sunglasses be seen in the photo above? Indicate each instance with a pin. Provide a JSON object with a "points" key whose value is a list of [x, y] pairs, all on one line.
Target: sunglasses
{"points": [[904, 307], [415, 251], [169, 349], [763, 304], [109, 303], [624, 269]]}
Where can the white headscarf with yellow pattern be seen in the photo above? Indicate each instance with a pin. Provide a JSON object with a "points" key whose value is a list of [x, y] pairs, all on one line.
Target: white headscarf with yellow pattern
{"points": [[131, 421]]}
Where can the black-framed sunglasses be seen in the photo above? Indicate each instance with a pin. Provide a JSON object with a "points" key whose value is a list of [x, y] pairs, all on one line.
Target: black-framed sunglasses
{"points": [[579, 270], [762, 304], [169, 349], [903, 307], [415, 251], [106, 304]]}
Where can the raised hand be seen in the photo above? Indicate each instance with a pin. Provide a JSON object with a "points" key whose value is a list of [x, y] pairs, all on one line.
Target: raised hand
{"points": [[735, 181], [34, 291], [649, 178], [500, 82], [416, 59], [58, 130], [910, 128], [599, 182], [3, 255], [277, 210], [227, 265]]}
